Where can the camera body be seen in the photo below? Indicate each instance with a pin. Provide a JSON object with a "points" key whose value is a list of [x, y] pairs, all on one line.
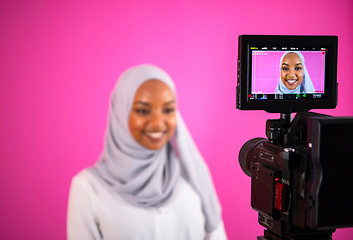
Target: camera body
{"points": [[301, 182]]}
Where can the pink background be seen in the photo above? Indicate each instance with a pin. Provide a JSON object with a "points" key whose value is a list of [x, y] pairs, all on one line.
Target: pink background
{"points": [[266, 70], [61, 59]]}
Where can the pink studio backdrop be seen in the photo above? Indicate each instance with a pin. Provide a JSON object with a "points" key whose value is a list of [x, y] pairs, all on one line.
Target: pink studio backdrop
{"points": [[61, 59], [266, 70]]}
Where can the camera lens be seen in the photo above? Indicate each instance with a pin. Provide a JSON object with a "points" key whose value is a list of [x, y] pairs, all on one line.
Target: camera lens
{"points": [[245, 151]]}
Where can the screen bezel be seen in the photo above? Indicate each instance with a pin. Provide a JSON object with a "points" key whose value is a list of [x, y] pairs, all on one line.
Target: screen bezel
{"points": [[330, 43]]}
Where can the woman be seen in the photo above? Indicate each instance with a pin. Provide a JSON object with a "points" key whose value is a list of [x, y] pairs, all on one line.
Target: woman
{"points": [[294, 75], [150, 181]]}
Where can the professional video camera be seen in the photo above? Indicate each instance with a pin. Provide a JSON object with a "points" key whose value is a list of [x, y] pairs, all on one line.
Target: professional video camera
{"points": [[301, 176]]}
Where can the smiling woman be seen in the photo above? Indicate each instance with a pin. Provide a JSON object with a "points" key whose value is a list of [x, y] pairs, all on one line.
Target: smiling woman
{"points": [[150, 181], [294, 75]]}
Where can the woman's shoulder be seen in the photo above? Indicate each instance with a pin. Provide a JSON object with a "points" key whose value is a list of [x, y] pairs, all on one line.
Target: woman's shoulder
{"points": [[86, 179], [84, 174]]}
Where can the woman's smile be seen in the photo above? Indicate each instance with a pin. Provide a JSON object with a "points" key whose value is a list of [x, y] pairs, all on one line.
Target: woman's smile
{"points": [[291, 81], [155, 136]]}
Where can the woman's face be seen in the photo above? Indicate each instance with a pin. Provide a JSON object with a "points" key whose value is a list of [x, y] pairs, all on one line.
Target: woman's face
{"points": [[152, 118], [292, 71]]}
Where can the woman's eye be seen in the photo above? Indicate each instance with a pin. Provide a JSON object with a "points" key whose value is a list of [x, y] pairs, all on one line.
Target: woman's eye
{"points": [[285, 69], [298, 68], [142, 111], [168, 110]]}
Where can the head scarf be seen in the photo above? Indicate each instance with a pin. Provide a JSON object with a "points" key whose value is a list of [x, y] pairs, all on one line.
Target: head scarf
{"points": [[305, 87], [148, 178]]}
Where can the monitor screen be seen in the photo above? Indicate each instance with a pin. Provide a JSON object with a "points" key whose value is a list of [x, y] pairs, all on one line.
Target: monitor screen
{"points": [[287, 72]]}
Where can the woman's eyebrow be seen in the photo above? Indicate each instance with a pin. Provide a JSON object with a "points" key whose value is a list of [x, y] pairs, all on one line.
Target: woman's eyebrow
{"points": [[143, 103], [288, 64], [170, 102], [147, 104]]}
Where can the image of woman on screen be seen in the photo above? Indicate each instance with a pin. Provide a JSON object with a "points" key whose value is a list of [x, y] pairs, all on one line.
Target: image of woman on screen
{"points": [[150, 181], [294, 75]]}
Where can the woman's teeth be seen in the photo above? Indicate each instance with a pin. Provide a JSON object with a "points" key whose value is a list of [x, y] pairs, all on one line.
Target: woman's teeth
{"points": [[291, 81], [154, 134]]}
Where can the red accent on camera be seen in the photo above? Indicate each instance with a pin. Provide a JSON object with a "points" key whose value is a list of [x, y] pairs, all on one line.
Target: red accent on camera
{"points": [[280, 196]]}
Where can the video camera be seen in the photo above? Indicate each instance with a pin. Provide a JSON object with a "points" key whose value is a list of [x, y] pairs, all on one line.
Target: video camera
{"points": [[301, 175]]}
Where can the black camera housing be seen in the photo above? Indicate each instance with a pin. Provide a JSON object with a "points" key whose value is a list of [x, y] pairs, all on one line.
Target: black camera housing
{"points": [[301, 182]]}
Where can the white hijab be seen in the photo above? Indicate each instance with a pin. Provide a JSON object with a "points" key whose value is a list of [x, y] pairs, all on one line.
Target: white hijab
{"points": [[148, 178], [305, 87]]}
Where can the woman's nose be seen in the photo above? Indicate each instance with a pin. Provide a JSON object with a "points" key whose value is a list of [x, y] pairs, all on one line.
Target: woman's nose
{"points": [[291, 72], [156, 120]]}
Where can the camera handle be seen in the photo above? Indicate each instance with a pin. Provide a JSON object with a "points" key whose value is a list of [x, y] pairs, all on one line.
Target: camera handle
{"points": [[286, 119], [275, 128], [287, 131]]}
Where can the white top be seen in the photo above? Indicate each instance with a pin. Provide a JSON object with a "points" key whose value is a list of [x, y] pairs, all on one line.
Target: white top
{"points": [[97, 212]]}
